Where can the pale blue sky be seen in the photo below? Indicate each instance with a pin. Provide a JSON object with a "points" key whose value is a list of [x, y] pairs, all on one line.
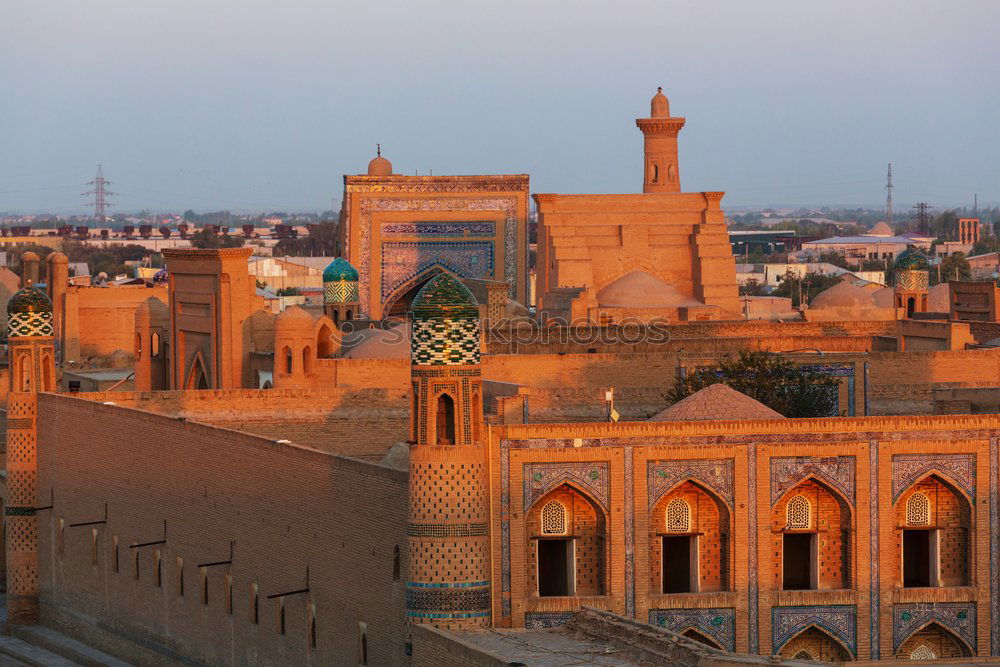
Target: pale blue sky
{"points": [[263, 105]]}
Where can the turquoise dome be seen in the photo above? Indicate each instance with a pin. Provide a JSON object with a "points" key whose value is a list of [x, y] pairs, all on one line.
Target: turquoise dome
{"points": [[911, 259], [29, 300], [444, 297], [340, 270]]}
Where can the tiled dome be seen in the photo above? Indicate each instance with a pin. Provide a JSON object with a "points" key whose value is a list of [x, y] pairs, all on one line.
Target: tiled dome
{"points": [[445, 324], [29, 300], [340, 269], [29, 313], [911, 259]]}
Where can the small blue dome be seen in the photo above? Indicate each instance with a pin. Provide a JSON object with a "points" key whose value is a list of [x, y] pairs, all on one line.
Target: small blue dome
{"points": [[340, 270]]}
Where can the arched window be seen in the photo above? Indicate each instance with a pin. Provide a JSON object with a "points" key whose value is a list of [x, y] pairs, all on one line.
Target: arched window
{"points": [[922, 652], [445, 420], [678, 516], [554, 518], [803, 655], [395, 563], [797, 514], [671, 174], [288, 360], [336, 318], [154, 345], [918, 510], [307, 360], [654, 173], [138, 346], [348, 315], [324, 343]]}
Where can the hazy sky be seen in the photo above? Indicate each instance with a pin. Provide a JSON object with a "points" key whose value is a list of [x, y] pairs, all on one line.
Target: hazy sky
{"points": [[264, 105]]}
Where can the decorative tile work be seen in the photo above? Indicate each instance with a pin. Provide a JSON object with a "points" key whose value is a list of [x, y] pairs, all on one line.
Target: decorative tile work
{"points": [[839, 370], [402, 261], [836, 471], [505, 530], [341, 291], [714, 474], [593, 478], [840, 621], [994, 546], [958, 617], [629, 534], [753, 583], [908, 468], [370, 205], [451, 530], [544, 620], [439, 342], [875, 620], [717, 624], [430, 228], [29, 324], [911, 281], [456, 598]]}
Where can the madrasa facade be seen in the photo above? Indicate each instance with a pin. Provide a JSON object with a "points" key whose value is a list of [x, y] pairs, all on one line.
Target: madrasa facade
{"points": [[286, 490]]}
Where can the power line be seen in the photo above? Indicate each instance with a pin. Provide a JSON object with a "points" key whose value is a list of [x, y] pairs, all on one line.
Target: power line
{"points": [[888, 198], [100, 193]]}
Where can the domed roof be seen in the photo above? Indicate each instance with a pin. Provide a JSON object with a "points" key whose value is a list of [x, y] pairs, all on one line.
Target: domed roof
{"points": [[379, 166], [843, 295], [638, 289], [294, 317], [57, 258], [659, 107], [29, 256], [911, 259], [29, 300], [393, 343], [881, 229], [150, 311], [338, 270], [444, 297], [939, 298], [717, 401], [884, 297]]}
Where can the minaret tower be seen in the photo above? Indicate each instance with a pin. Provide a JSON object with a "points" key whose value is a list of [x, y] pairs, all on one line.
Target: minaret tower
{"points": [[340, 291], [31, 354], [661, 171], [910, 279], [448, 582]]}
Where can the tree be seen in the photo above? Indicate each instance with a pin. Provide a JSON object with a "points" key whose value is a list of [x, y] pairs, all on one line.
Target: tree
{"points": [[793, 391], [834, 257], [811, 284], [207, 239], [953, 267], [288, 291], [752, 287], [321, 242]]}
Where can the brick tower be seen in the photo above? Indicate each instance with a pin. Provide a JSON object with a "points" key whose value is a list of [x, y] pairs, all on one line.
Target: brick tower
{"points": [[910, 280], [448, 581], [659, 131], [340, 291], [31, 350]]}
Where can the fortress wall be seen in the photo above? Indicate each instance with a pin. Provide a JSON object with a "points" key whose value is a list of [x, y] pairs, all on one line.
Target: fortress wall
{"points": [[286, 509]]}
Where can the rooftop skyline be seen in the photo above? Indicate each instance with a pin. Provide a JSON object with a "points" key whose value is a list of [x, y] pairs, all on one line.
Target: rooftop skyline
{"points": [[250, 106]]}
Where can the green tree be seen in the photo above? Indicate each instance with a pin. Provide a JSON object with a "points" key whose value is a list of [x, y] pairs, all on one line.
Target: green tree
{"points": [[811, 284], [793, 391], [206, 239], [288, 291], [953, 267], [834, 257], [752, 287]]}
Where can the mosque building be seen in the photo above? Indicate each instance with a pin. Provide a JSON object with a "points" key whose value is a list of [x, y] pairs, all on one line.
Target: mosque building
{"points": [[319, 487]]}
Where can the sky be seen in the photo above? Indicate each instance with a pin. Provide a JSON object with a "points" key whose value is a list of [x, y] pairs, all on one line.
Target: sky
{"points": [[259, 105]]}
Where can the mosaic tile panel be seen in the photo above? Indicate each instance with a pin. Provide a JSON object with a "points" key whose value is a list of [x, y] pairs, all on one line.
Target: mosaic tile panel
{"points": [[994, 546], [444, 342], [715, 474], [840, 621], [447, 599], [593, 478], [402, 261], [505, 531], [341, 291], [716, 624], [957, 617], [629, 493], [753, 612], [29, 324], [545, 620], [429, 228], [836, 471], [908, 468]]}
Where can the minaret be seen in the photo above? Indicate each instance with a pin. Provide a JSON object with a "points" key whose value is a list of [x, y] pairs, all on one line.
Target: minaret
{"points": [[31, 355], [910, 280], [661, 171], [340, 291], [448, 582]]}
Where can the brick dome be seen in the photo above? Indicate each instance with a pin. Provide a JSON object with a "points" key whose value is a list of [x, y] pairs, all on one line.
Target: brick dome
{"points": [[881, 229], [151, 312], [638, 289], [293, 318], [379, 166], [445, 324], [843, 295], [659, 106], [717, 401]]}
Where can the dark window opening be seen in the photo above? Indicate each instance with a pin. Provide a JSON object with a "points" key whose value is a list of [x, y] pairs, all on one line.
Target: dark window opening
{"points": [[395, 563], [678, 552], [916, 558], [555, 567], [445, 420], [798, 561], [288, 361], [281, 617], [364, 649], [911, 305], [312, 630]]}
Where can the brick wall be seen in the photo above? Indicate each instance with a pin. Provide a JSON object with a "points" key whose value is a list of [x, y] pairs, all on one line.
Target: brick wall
{"points": [[286, 508], [816, 645]]}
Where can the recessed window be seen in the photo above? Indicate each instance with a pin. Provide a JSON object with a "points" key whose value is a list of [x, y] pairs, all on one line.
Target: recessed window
{"points": [[312, 626], [395, 563], [93, 547], [114, 554], [135, 562], [280, 616], [362, 643], [62, 535], [203, 574], [923, 652], [157, 569], [229, 593], [180, 576], [254, 604]]}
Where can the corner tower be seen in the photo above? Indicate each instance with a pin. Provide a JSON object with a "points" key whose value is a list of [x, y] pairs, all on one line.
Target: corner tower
{"points": [[448, 583], [340, 291], [31, 350], [661, 170]]}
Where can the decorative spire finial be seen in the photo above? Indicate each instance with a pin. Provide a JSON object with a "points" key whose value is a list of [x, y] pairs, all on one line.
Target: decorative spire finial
{"points": [[378, 149], [659, 89]]}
